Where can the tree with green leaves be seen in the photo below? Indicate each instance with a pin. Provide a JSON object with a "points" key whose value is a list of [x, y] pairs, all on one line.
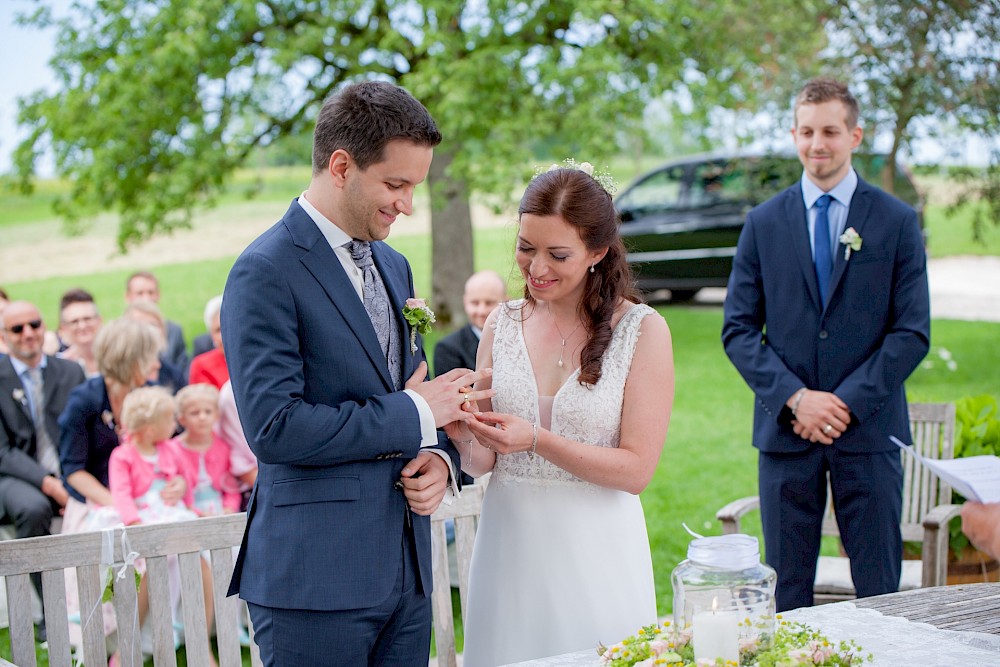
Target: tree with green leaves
{"points": [[923, 60], [160, 100]]}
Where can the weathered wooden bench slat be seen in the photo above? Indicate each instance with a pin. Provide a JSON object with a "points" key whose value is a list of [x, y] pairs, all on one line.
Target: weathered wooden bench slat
{"points": [[161, 616], [54, 603], [226, 608], [192, 593], [88, 578], [22, 631]]}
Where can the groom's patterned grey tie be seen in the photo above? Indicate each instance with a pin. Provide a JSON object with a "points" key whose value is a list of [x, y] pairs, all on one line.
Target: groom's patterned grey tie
{"points": [[379, 308], [45, 450]]}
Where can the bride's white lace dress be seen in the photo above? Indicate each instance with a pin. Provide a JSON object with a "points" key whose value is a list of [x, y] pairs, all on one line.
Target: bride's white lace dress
{"points": [[559, 564]]}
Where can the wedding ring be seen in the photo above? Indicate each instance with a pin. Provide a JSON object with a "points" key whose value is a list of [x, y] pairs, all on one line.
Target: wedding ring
{"points": [[468, 397], [827, 429]]}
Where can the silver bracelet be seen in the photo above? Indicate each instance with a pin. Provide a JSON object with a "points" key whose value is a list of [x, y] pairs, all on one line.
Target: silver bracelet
{"points": [[797, 400], [534, 441], [464, 443]]}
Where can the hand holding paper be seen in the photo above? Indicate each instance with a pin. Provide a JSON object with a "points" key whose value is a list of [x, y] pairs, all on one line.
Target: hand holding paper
{"points": [[975, 477]]}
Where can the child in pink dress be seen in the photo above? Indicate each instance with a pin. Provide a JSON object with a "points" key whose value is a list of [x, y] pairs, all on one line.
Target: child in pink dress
{"points": [[142, 465], [207, 456]]}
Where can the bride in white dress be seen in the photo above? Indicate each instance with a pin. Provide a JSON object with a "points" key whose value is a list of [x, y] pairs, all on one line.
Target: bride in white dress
{"points": [[583, 382]]}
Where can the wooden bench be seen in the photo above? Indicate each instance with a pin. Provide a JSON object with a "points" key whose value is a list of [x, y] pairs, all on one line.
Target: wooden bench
{"points": [[53, 554], [465, 511]]}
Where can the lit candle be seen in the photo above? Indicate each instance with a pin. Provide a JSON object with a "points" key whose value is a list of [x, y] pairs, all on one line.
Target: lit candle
{"points": [[715, 634]]}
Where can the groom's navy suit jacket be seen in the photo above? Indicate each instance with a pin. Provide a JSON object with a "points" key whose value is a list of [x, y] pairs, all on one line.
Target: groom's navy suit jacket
{"points": [[861, 344], [324, 524]]}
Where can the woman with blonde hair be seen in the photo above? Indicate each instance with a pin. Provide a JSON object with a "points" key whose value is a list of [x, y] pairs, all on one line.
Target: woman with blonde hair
{"points": [[127, 353]]}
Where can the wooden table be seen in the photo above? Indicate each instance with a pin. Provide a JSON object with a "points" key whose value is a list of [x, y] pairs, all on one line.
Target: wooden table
{"points": [[972, 607]]}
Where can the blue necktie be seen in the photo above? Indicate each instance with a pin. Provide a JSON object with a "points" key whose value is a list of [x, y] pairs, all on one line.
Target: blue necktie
{"points": [[378, 306], [821, 240]]}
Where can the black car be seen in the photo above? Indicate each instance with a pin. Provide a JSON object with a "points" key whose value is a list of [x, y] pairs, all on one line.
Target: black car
{"points": [[681, 221]]}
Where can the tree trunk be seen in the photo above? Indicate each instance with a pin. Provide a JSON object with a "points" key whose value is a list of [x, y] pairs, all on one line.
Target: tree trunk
{"points": [[451, 240]]}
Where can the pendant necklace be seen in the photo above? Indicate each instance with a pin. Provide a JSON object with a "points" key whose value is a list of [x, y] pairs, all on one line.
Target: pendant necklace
{"points": [[562, 345]]}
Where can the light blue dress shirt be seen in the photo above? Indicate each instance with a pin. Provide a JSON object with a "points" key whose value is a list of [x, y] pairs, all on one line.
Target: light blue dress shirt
{"points": [[841, 195]]}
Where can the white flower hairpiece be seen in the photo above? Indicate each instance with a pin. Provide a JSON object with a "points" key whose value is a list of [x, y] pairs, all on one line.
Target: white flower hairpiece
{"points": [[603, 177]]}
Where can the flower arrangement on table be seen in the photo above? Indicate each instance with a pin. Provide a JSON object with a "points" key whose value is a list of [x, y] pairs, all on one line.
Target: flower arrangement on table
{"points": [[791, 645]]}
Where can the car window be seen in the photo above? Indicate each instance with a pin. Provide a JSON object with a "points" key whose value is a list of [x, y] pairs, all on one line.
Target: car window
{"points": [[660, 191], [716, 183]]}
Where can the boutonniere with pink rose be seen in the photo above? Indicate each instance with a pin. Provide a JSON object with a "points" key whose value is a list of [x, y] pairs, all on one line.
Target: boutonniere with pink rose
{"points": [[420, 317], [851, 240]]}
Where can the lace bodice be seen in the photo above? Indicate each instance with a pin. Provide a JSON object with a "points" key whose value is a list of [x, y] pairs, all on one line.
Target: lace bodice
{"points": [[591, 415]]}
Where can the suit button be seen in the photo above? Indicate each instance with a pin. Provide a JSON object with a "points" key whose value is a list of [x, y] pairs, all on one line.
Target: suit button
{"points": [[823, 335]]}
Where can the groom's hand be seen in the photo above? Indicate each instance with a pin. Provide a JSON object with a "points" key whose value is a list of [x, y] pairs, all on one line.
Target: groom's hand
{"points": [[444, 394], [425, 480]]}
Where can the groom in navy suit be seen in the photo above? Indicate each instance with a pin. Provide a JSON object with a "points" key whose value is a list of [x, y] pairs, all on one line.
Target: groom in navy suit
{"points": [[336, 559], [826, 314]]}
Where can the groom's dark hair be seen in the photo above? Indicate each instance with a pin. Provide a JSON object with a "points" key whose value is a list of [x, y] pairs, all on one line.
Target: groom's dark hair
{"points": [[363, 117]]}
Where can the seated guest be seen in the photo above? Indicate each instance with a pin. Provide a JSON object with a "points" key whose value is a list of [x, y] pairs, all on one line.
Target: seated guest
{"points": [[242, 462], [79, 323], [34, 388], [143, 286], [170, 377], [981, 524], [127, 355], [201, 344], [484, 291], [209, 459], [210, 367]]}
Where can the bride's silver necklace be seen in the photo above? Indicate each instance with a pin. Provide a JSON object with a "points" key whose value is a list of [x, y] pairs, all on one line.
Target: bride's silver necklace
{"points": [[562, 345]]}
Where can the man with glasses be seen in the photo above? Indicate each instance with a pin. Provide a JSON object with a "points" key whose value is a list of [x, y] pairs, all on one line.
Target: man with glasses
{"points": [[34, 388], [79, 322]]}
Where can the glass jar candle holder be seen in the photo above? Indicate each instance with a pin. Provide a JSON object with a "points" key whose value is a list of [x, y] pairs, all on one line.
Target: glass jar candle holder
{"points": [[723, 594]]}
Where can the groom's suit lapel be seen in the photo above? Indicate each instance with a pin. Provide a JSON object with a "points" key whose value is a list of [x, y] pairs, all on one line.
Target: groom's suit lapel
{"points": [[322, 263]]}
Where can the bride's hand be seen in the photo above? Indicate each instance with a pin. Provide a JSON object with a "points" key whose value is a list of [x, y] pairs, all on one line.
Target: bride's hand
{"points": [[504, 434], [457, 431]]}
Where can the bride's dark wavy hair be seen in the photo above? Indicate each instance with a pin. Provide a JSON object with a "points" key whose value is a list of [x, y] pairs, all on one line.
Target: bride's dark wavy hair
{"points": [[582, 202]]}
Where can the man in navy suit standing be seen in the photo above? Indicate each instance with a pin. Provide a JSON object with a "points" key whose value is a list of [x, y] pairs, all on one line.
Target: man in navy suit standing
{"points": [[336, 559], [827, 313]]}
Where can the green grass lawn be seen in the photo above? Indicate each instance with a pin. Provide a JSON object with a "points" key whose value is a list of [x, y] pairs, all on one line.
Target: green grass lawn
{"points": [[707, 460]]}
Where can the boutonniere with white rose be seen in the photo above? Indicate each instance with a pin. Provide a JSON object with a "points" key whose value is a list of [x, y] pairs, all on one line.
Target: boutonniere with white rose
{"points": [[108, 418], [851, 240], [18, 395], [420, 317]]}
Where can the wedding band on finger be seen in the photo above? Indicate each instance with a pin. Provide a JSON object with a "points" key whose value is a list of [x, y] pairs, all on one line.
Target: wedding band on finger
{"points": [[468, 397], [827, 429]]}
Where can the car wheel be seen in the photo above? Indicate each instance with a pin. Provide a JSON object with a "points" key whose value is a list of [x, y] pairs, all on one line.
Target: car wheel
{"points": [[682, 294]]}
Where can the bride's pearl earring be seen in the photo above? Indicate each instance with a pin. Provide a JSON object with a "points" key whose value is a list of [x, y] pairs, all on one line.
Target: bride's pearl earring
{"points": [[592, 268]]}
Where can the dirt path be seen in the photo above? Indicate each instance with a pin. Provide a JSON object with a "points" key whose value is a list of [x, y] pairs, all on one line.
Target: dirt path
{"points": [[962, 288]]}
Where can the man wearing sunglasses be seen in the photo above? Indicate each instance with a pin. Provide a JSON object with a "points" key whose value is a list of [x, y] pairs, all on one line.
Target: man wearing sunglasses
{"points": [[34, 388]]}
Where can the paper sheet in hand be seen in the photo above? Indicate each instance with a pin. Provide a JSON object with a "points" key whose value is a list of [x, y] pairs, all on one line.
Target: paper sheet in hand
{"points": [[975, 477]]}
